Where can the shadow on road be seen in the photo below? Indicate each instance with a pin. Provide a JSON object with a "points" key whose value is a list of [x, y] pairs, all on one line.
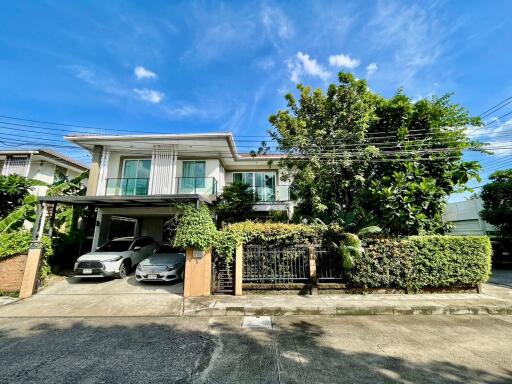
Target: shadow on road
{"points": [[183, 351]]}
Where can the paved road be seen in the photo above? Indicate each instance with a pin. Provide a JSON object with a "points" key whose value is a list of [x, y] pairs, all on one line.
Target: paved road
{"points": [[373, 349]]}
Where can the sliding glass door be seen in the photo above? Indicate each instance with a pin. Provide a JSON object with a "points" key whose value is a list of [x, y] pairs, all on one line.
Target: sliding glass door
{"points": [[135, 179], [262, 183], [193, 176]]}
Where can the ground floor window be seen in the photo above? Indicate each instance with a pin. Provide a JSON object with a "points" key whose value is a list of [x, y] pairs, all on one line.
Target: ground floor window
{"points": [[263, 183]]}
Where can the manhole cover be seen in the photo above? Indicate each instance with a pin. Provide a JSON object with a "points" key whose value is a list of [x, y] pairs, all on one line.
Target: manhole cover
{"points": [[255, 322]]}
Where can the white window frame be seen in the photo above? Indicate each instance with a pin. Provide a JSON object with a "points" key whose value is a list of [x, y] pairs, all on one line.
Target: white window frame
{"points": [[137, 159], [253, 186]]}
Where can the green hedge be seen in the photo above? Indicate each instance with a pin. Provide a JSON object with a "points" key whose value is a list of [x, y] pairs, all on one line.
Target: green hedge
{"points": [[419, 262], [276, 234], [18, 243]]}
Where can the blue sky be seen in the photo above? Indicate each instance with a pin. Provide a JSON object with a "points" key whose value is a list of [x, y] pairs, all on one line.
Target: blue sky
{"points": [[162, 66]]}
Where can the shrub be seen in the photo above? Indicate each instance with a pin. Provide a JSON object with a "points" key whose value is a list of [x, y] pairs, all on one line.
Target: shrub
{"points": [[276, 234], [235, 202], [440, 261], [418, 262], [225, 245], [195, 229], [18, 243], [13, 189], [382, 264]]}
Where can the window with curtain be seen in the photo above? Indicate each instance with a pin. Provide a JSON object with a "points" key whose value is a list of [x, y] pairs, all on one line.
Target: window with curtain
{"points": [[193, 175], [263, 183], [136, 177]]}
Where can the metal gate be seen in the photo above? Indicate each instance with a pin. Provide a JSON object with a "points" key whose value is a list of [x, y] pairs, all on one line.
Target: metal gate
{"points": [[223, 276]]}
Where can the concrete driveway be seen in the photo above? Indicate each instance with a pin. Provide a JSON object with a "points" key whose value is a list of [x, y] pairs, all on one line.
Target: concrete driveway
{"points": [[89, 297], [373, 349]]}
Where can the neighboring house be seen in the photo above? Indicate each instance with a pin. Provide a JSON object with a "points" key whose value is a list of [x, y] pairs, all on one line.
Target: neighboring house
{"points": [[41, 164], [134, 180], [465, 216]]}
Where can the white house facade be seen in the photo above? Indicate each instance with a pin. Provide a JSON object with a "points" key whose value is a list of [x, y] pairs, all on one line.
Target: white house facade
{"points": [[41, 164], [135, 180]]}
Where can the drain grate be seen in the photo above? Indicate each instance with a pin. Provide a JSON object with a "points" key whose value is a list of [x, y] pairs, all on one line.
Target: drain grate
{"points": [[257, 322]]}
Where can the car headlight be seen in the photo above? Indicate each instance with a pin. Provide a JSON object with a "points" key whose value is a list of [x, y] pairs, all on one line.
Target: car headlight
{"points": [[117, 258], [172, 267], [139, 267]]}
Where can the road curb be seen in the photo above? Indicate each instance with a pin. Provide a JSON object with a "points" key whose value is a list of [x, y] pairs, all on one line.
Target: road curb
{"points": [[350, 310]]}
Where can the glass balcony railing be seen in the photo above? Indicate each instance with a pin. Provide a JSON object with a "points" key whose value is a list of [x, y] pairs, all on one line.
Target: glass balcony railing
{"points": [[127, 187], [275, 194], [196, 185]]}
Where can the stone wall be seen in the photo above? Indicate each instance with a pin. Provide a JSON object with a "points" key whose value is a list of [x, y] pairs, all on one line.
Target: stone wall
{"points": [[11, 273]]}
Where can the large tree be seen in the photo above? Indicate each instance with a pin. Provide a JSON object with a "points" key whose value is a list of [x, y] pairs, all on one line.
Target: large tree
{"points": [[497, 198], [324, 136], [356, 158]]}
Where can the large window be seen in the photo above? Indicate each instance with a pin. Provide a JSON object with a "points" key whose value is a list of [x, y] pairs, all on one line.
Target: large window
{"points": [[136, 176], [193, 175], [263, 183]]}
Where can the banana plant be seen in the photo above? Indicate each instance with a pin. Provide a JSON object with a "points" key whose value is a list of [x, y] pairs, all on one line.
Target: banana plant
{"points": [[27, 212], [351, 248]]}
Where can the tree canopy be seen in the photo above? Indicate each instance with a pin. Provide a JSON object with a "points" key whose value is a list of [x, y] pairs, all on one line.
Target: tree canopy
{"points": [[497, 200], [356, 158]]}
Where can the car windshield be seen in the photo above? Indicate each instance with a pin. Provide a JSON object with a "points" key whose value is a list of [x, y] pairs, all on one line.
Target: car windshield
{"points": [[115, 246], [166, 249]]}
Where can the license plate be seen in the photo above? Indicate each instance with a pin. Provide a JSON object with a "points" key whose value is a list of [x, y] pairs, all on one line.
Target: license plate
{"points": [[152, 276], [87, 271]]}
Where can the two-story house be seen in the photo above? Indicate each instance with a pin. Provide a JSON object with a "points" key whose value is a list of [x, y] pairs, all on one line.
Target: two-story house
{"points": [[41, 164], [136, 180]]}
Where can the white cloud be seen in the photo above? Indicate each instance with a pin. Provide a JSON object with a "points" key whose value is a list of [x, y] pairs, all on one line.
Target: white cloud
{"points": [[276, 23], [490, 130], [342, 60], [371, 69], [303, 64], [100, 80], [500, 148], [149, 95], [143, 73], [413, 36]]}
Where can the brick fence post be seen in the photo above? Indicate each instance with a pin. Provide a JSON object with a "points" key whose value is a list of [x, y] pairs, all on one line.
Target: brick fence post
{"points": [[312, 271], [239, 254]]}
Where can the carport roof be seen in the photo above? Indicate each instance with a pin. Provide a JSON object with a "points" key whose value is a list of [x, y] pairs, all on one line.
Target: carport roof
{"points": [[125, 201]]}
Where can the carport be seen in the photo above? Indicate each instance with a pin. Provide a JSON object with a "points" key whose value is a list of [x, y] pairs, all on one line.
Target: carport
{"points": [[149, 213]]}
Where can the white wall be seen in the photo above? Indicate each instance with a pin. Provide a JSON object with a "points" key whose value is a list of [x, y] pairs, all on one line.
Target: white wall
{"points": [[465, 216], [43, 171]]}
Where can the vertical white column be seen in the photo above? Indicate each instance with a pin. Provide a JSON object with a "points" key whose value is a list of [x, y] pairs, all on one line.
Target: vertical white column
{"points": [[97, 228], [102, 178]]}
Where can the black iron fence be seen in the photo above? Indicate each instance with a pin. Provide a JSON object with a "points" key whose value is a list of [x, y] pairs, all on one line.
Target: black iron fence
{"points": [[269, 265], [329, 265], [273, 265]]}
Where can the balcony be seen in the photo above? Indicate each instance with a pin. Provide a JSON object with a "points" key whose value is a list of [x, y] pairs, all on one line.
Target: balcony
{"points": [[140, 186], [127, 187], [269, 195], [196, 185]]}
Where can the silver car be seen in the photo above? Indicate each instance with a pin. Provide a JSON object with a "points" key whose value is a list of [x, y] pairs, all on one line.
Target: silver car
{"points": [[164, 265], [115, 258]]}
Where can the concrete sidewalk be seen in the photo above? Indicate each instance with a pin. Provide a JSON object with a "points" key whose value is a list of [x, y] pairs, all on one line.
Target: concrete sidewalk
{"points": [[494, 300]]}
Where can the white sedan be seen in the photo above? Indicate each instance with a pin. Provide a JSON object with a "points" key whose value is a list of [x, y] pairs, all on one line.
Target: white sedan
{"points": [[115, 258]]}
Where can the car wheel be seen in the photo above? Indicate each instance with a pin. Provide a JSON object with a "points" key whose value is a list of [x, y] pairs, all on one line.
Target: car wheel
{"points": [[123, 270]]}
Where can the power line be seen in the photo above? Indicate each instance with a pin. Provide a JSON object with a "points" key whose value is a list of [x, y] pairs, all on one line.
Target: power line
{"points": [[495, 108]]}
